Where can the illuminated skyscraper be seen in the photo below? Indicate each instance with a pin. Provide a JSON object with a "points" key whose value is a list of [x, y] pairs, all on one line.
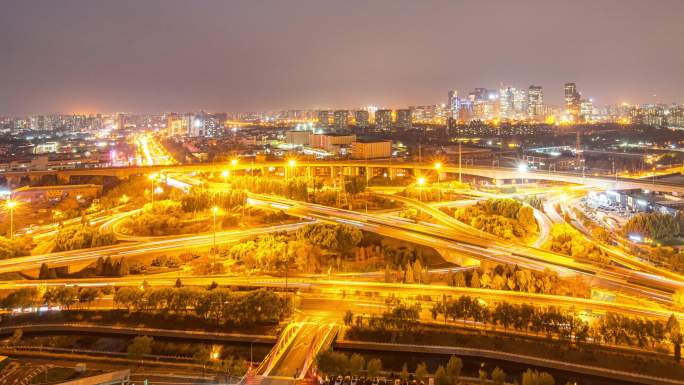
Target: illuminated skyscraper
{"points": [[586, 110], [452, 103], [176, 125], [324, 118], [404, 118], [506, 110], [340, 119], [572, 101], [535, 103], [383, 119], [519, 104], [362, 118]]}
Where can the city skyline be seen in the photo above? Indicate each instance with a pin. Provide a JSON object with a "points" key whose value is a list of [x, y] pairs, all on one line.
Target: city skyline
{"points": [[143, 57]]}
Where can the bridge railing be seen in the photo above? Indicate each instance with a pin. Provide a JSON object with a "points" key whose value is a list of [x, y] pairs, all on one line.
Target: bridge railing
{"points": [[322, 340]]}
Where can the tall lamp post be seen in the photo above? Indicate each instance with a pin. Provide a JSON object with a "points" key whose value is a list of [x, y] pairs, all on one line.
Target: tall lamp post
{"points": [[233, 163], [460, 166], [421, 182], [292, 163], [438, 168], [153, 179], [11, 204]]}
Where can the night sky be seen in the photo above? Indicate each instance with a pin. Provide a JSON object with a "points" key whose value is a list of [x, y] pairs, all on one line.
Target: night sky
{"points": [[167, 55]]}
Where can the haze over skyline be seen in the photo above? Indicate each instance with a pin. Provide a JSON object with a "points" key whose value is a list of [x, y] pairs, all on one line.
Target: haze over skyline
{"points": [[153, 56]]}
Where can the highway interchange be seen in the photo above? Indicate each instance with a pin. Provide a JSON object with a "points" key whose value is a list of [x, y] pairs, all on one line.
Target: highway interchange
{"points": [[647, 289]]}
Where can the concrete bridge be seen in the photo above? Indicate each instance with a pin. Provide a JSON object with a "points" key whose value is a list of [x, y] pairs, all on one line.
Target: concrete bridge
{"points": [[370, 169], [293, 356]]}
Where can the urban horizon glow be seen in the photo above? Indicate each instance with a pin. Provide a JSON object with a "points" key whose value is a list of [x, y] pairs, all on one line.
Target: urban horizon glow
{"points": [[142, 57]]}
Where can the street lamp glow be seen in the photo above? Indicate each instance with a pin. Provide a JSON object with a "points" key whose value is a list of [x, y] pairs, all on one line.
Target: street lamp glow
{"points": [[522, 167], [421, 181], [438, 165], [292, 162], [234, 162], [152, 176], [11, 204]]}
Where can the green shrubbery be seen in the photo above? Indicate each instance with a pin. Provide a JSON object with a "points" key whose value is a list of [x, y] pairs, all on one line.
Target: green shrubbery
{"points": [[81, 237], [15, 247], [568, 241], [506, 277], [656, 226], [312, 248], [223, 306], [505, 218]]}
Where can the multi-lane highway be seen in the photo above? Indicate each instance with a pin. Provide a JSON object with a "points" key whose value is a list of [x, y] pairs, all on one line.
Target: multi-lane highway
{"points": [[484, 247], [132, 249]]}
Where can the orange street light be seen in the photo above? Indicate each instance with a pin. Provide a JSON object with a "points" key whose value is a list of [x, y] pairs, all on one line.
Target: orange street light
{"points": [[10, 205], [438, 167], [292, 163], [153, 179]]}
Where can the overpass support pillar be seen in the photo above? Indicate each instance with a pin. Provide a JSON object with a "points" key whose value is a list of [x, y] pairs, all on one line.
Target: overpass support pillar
{"points": [[13, 181], [62, 178], [392, 172]]}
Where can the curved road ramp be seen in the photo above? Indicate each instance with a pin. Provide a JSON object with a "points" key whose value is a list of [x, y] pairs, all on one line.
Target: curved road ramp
{"points": [[293, 355], [113, 378]]}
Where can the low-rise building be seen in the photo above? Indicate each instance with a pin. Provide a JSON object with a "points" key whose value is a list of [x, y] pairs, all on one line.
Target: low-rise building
{"points": [[331, 142], [371, 149], [44, 194], [298, 138]]}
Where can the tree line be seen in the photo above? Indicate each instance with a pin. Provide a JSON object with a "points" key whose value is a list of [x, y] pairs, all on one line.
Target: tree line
{"points": [[199, 199], [550, 321], [63, 296], [223, 306], [337, 363], [314, 247], [656, 226], [220, 305], [293, 188], [514, 278]]}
